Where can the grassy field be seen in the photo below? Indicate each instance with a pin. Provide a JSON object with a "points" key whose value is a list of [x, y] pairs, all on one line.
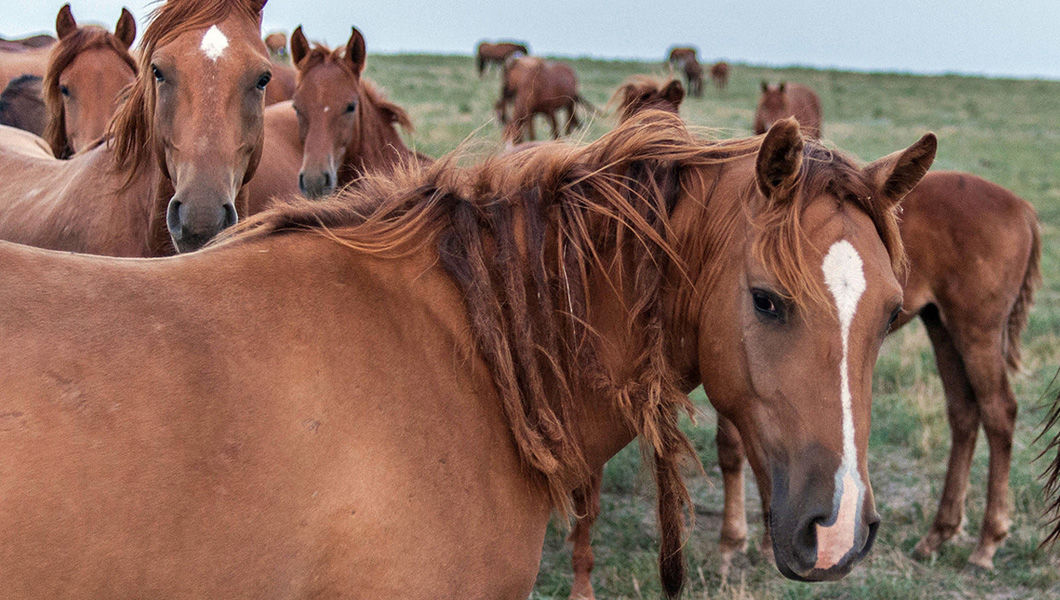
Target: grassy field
{"points": [[1005, 130]]}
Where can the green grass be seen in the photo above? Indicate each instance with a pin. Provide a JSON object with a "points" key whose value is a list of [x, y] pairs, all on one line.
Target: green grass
{"points": [[1004, 130]]}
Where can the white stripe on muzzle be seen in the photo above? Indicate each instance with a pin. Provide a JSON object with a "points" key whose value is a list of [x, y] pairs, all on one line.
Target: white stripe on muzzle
{"points": [[845, 278]]}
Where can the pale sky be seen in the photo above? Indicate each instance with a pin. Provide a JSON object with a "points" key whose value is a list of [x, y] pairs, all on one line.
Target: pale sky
{"points": [[1013, 38]]}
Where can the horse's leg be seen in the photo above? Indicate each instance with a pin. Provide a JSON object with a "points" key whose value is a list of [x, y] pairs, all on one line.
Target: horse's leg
{"points": [[587, 507], [985, 364], [551, 116], [572, 119], [734, 517], [963, 414]]}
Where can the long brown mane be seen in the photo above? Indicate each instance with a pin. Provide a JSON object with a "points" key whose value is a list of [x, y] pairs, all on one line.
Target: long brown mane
{"points": [[130, 132], [527, 235], [65, 51]]}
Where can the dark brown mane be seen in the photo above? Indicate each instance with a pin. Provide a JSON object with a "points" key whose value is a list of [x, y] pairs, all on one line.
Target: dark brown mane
{"points": [[130, 132], [1051, 487], [582, 212], [64, 53]]}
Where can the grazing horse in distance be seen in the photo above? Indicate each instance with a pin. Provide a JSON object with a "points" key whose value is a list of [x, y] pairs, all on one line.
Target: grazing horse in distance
{"points": [[535, 86], [22, 106], [719, 73], [177, 155], [788, 100], [498, 53], [87, 70], [338, 128], [22, 61], [581, 293], [684, 59]]}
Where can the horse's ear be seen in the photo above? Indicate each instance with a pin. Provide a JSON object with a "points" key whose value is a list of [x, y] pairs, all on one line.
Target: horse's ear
{"points": [[765, 86], [779, 159], [125, 30], [64, 22], [674, 93], [355, 51], [299, 47], [259, 5], [895, 175]]}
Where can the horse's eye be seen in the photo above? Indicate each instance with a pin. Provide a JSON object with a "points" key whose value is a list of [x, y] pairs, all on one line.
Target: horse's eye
{"points": [[894, 317], [159, 77], [65, 91], [264, 81], [351, 107], [768, 305]]}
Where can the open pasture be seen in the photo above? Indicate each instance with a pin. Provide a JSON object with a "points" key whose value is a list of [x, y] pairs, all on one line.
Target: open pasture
{"points": [[1004, 130]]}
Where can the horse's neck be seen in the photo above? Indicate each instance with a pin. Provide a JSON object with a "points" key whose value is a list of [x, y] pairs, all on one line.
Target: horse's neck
{"points": [[378, 145]]}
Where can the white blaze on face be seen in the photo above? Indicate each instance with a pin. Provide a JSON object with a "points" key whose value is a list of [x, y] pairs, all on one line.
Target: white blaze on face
{"points": [[845, 278], [213, 43]]}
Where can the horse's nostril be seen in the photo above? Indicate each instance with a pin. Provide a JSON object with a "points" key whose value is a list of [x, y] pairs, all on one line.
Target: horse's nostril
{"points": [[230, 215], [327, 180], [173, 220], [301, 182]]}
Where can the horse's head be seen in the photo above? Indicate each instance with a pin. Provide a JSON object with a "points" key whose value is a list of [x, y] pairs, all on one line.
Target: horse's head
{"points": [[276, 42], [197, 107], [809, 297], [772, 106], [641, 92], [88, 69], [327, 100]]}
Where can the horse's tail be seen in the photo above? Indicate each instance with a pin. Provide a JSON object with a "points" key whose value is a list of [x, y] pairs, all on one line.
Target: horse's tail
{"points": [[1032, 279]]}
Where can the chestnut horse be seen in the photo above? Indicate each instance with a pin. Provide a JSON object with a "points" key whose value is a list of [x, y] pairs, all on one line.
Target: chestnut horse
{"points": [[684, 59], [497, 54], [179, 151], [557, 302], [86, 72], [536, 86], [788, 100], [719, 73], [974, 307], [338, 127], [276, 42], [21, 105], [642, 92]]}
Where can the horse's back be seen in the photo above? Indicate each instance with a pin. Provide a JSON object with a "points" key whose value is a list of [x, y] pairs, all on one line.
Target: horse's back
{"points": [[16, 64], [806, 107], [966, 238], [15, 142], [146, 455]]}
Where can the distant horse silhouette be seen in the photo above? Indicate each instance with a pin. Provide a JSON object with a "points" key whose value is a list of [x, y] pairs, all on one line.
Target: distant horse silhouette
{"points": [[788, 100], [21, 105], [557, 303], [21, 61], [173, 168], [489, 53], [536, 86], [719, 73], [684, 59], [338, 128], [87, 70]]}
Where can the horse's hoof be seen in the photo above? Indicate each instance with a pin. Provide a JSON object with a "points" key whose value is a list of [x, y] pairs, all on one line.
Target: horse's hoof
{"points": [[982, 558], [928, 546]]}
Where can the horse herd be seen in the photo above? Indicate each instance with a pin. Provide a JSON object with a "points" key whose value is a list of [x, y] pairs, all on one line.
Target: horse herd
{"points": [[369, 370]]}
